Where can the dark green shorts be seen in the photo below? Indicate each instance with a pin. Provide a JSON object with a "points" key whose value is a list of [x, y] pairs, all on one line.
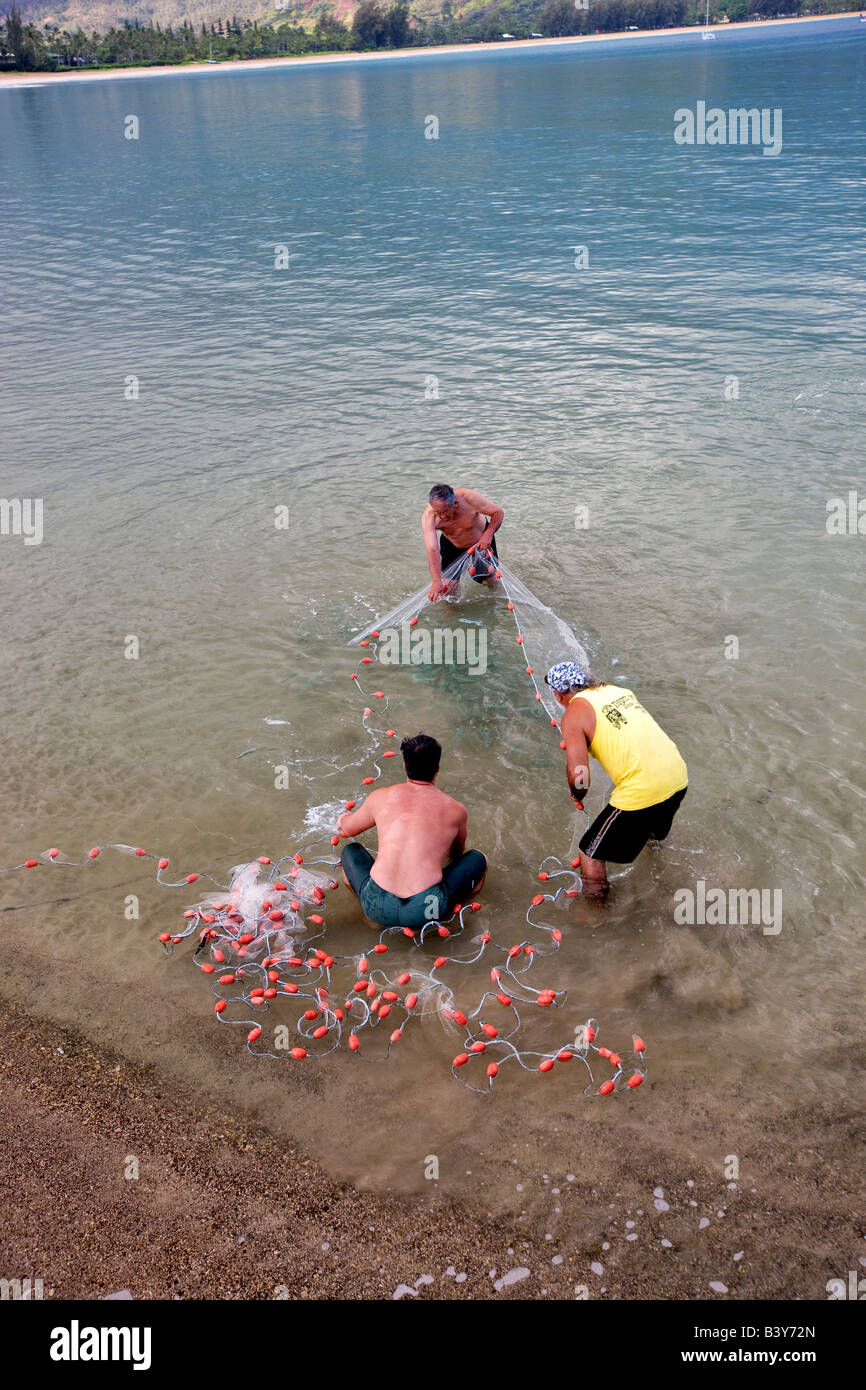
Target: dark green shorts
{"points": [[459, 881]]}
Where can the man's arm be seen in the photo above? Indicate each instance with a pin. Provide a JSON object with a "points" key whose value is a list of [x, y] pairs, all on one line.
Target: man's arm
{"points": [[354, 822], [431, 542], [495, 515], [576, 755]]}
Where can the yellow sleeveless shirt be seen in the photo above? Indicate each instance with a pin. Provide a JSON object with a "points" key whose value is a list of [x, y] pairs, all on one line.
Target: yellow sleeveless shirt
{"points": [[645, 765]]}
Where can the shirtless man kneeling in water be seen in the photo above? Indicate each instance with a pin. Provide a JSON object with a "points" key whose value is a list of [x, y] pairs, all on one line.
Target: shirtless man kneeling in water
{"points": [[419, 828], [464, 518]]}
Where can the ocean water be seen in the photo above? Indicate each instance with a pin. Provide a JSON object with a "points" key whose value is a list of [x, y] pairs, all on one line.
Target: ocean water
{"points": [[698, 385]]}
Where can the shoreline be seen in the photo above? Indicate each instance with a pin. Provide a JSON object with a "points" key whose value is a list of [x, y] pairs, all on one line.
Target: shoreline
{"points": [[222, 1209], [38, 79]]}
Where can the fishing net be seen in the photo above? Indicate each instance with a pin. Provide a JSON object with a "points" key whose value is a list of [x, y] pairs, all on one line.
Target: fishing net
{"points": [[260, 939]]}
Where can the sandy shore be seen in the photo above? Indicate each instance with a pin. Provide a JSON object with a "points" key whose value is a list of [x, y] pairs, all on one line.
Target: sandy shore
{"points": [[220, 1209], [30, 79]]}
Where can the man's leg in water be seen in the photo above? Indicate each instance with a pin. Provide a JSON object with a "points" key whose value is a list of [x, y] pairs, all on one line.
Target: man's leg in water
{"points": [[593, 872], [465, 877]]}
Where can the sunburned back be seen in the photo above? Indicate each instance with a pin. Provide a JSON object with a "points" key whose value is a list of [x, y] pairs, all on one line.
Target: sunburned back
{"points": [[417, 826]]}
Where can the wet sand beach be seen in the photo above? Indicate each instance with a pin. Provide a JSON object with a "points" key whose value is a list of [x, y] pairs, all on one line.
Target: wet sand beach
{"points": [[222, 1210]]}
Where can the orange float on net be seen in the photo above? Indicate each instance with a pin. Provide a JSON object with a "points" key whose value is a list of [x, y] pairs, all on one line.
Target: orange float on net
{"points": [[495, 975], [218, 956], [471, 569], [461, 1059], [635, 1080], [570, 893], [564, 1055], [165, 936], [353, 1042], [389, 995], [163, 863], [315, 918], [510, 607], [443, 932], [380, 948], [602, 1051], [208, 969], [349, 805], [411, 1001], [639, 1045], [53, 853], [556, 934], [492, 1070], [367, 712], [404, 978], [298, 1053], [397, 1035], [94, 853], [615, 1059], [514, 951], [490, 1030], [219, 1006], [539, 898], [439, 962], [390, 733], [366, 660], [335, 839], [412, 622], [380, 694], [367, 781], [263, 859], [191, 878], [475, 907], [562, 743], [141, 853], [520, 641], [254, 1034], [31, 864], [365, 643], [320, 1032], [606, 1089], [277, 915], [504, 1000], [460, 1018], [546, 1065], [374, 634], [478, 1047], [590, 1032], [407, 931], [384, 1010], [543, 876]]}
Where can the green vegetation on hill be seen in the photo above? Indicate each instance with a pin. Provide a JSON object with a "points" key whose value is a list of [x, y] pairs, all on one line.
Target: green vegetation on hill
{"points": [[310, 27]]}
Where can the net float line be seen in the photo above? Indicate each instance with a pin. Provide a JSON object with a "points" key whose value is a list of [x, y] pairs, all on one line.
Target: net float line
{"points": [[249, 930]]}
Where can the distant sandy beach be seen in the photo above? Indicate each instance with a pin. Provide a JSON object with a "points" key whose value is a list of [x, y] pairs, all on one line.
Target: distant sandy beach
{"points": [[38, 79]]}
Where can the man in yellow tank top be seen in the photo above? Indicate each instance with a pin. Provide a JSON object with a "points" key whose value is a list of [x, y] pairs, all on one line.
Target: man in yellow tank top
{"points": [[649, 775]]}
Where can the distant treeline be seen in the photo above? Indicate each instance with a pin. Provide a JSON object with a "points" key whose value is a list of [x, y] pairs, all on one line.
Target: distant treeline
{"points": [[29, 47]]}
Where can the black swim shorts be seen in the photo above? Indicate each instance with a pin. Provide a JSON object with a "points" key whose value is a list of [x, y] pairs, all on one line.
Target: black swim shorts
{"points": [[459, 881], [619, 836]]}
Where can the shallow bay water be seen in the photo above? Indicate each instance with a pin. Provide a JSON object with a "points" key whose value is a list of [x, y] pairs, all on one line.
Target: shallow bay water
{"points": [[698, 386]]}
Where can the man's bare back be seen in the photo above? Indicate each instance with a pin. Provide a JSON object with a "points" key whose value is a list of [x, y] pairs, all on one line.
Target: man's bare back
{"points": [[419, 827]]}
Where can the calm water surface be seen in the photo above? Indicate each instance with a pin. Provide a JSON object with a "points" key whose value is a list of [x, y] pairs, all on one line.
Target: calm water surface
{"points": [[557, 388]]}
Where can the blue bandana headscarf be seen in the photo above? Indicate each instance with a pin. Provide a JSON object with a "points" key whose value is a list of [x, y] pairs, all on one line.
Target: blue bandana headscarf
{"points": [[565, 676]]}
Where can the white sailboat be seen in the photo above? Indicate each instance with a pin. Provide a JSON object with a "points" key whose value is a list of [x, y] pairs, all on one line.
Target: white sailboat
{"points": [[708, 33]]}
